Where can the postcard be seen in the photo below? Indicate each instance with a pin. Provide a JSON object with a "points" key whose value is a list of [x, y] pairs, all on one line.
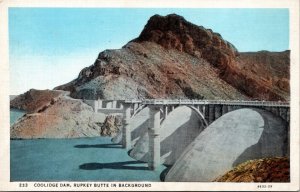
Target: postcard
{"points": [[149, 96]]}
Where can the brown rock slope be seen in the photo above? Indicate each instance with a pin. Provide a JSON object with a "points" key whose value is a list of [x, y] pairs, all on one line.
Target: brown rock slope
{"points": [[173, 58], [34, 100], [275, 169], [54, 116], [262, 75]]}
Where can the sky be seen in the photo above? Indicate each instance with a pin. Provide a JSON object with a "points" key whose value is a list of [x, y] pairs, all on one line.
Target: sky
{"points": [[49, 46]]}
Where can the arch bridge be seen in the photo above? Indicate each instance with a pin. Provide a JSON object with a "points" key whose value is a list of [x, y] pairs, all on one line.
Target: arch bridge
{"points": [[208, 111]]}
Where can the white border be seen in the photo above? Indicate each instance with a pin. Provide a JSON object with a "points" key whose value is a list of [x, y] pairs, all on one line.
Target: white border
{"points": [[292, 5]]}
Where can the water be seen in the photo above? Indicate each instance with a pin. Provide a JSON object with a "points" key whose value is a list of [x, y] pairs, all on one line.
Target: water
{"points": [[83, 159], [15, 114]]}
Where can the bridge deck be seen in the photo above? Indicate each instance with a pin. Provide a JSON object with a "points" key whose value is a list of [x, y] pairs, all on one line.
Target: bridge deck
{"points": [[207, 102]]}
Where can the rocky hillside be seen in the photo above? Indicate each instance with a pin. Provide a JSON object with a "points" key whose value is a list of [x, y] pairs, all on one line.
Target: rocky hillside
{"points": [[275, 169], [53, 114], [147, 70], [263, 75], [173, 58]]}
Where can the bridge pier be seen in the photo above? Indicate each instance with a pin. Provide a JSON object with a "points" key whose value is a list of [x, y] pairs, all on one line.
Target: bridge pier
{"points": [[114, 104], [211, 114], [109, 104], [224, 109], [100, 105], [154, 137], [165, 111], [96, 106], [218, 111], [135, 107], [172, 107], [203, 110], [126, 132], [282, 113], [229, 108]]}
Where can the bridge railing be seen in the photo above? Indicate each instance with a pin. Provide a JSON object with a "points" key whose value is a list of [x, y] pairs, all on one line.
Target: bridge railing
{"points": [[132, 101]]}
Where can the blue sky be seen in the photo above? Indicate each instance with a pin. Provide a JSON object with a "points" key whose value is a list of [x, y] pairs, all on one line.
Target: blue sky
{"points": [[49, 46]]}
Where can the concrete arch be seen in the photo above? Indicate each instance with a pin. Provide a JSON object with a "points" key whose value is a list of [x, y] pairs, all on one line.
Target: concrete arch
{"points": [[178, 130], [236, 137], [139, 109], [162, 113], [199, 113]]}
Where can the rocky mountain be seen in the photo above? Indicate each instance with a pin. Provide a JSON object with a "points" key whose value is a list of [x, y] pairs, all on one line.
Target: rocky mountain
{"points": [[173, 58]]}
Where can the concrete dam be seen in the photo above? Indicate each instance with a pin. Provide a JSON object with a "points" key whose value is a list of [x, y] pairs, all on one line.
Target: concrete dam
{"points": [[200, 139]]}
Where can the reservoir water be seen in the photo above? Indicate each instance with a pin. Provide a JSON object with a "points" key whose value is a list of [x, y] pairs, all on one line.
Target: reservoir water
{"points": [[15, 114], [80, 159]]}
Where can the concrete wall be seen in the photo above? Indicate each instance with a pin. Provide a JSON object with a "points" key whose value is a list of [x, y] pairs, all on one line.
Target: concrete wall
{"points": [[178, 130], [234, 138], [102, 105], [111, 104]]}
